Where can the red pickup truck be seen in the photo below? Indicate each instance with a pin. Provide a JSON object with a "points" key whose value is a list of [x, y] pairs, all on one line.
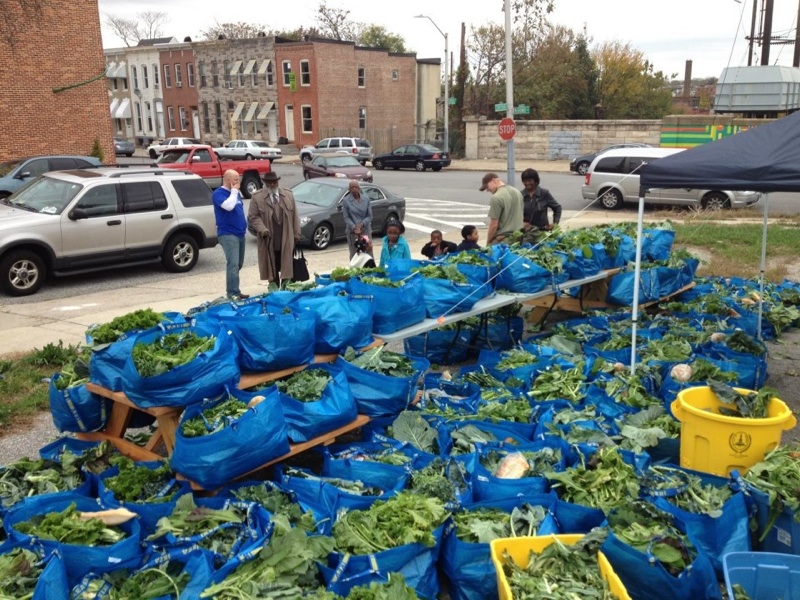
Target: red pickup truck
{"points": [[202, 161]]}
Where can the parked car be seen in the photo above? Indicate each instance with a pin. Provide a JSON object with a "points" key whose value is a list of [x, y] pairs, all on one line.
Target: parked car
{"points": [[613, 178], [580, 164], [358, 147], [88, 220], [153, 150], [413, 156], [123, 147], [16, 173], [248, 150], [319, 207], [336, 165]]}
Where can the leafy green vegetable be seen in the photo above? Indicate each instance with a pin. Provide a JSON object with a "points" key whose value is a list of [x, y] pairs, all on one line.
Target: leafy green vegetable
{"points": [[442, 479], [383, 282], [306, 385], [539, 461], [137, 483], [351, 486], [749, 405], [406, 518], [482, 525], [28, 477], [169, 351], [76, 372], [412, 428], [68, 527], [278, 503], [559, 383], [117, 327], [20, 570], [511, 359], [347, 273], [441, 271], [778, 476], [214, 419], [741, 341], [380, 360]]}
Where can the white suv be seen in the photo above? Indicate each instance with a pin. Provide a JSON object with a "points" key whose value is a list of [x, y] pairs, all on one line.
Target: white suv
{"points": [[613, 178], [91, 219], [354, 146]]}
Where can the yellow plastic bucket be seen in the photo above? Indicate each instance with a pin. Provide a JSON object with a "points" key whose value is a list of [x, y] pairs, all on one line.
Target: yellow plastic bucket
{"points": [[520, 548], [714, 443]]}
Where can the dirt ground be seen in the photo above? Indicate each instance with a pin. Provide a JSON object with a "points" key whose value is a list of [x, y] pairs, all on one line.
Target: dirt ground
{"points": [[783, 369]]}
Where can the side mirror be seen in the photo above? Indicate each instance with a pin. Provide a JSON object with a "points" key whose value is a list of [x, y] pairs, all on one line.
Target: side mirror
{"points": [[76, 214], [23, 175]]}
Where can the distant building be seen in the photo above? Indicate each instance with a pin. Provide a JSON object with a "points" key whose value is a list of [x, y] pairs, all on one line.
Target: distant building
{"points": [[53, 90]]}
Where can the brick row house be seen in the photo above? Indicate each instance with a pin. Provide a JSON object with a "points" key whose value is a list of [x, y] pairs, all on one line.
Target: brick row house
{"points": [[271, 89]]}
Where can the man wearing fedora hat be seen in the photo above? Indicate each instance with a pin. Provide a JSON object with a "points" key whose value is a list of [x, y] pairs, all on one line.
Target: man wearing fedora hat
{"points": [[273, 217]]}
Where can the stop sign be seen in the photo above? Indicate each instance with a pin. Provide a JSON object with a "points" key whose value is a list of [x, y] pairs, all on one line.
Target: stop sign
{"points": [[507, 128]]}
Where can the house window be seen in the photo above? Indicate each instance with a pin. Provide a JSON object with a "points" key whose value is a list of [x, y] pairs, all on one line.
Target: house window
{"points": [[155, 75], [206, 117], [218, 115], [214, 74], [287, 70], [171, 118], [308, 124], [226, 73], [270, 75], [182, 116], [114, 85], [240, 74], [305, 73], [362, 117], [190, 74], [138, 108], [362, 77], [148, 113], [201, 69], [178, 76], [124, 83], [145, 78], [167, 76], [395, 74], [135, 77]]}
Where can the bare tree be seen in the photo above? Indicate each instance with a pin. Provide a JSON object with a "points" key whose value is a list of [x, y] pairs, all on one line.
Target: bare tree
{"points": [[334, 23], [146, 26], [233, 31]]}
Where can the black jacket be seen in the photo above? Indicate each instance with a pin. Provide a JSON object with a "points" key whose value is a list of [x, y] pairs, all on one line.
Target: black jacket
{"points": [[429, 248], [534, 208]]}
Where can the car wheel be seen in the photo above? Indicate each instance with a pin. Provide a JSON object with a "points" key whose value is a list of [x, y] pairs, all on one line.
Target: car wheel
{"points": [[322, 236], [378, 164], [153, 154], [419, 166], [248, 156], [611, 199], [582, 167], [4, 195], [437, 169], [271, 160], [715, 201], [250, 185], [129, 154], [306, 175], [23, 273], [180, 254]]}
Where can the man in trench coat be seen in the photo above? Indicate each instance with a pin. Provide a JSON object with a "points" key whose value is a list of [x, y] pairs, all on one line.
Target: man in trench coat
{"points": [[273, 217]]}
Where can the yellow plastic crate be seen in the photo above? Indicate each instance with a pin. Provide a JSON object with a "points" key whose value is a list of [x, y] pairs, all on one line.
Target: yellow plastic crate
{"points": [[714, 443], [519, 550]]}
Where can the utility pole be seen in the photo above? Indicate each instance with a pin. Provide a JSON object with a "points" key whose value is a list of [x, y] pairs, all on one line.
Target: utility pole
{"points": [[509, 92], [766, 33]]}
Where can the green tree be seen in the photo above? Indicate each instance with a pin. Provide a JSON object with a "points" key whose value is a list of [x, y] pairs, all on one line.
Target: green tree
{"points": [[97, 150], [233, 31], [335, 23], [377, 36], [628, 88]]}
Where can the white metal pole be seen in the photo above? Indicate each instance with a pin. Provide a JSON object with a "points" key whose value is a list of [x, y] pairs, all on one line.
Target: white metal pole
{"points": [[637, 275], [446, 96], [763, 265], [509, 91]]}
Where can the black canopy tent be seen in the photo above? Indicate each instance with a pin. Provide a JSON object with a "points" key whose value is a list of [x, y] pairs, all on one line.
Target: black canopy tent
{"points": [[763, 159]]}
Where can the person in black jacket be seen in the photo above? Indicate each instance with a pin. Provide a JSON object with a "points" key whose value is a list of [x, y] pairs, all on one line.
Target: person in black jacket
{"points": [[437, 246], [470, 241], [535, 202]]}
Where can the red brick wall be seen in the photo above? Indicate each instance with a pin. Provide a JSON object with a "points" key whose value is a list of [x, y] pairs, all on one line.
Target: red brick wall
{"points": [[174, 96], [59, 47]]}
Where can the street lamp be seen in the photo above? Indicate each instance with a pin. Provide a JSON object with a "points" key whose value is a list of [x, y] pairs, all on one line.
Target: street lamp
{"points": [[446, 84]]}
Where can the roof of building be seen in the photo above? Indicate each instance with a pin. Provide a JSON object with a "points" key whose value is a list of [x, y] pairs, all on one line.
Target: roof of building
{"points": [[154, 41]]}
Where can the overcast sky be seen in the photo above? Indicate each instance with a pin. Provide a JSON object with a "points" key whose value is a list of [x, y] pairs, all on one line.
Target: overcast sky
{"points": [[710, 33]]}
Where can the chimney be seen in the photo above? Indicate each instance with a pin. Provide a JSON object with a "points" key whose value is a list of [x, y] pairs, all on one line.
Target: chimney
{"points": [[687, 80]]}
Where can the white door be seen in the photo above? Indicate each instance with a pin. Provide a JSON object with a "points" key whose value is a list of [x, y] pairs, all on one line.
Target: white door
{"points": [[272, 127], [289, 114], [195, 124]]}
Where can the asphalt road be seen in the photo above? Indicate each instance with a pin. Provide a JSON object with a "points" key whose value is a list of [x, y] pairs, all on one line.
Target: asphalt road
{"points": [[447, 185]]}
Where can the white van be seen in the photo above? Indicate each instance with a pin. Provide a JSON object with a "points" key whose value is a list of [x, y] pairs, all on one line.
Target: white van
{"points": [[613, 178]]}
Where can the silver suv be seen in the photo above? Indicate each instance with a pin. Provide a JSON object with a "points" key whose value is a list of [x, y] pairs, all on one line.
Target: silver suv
{"points": [[613, 178], [91, 219], [354, 146]]}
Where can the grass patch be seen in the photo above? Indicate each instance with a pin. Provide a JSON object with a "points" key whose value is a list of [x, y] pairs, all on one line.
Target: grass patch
{"points": [[24, 382], [735, 248]]}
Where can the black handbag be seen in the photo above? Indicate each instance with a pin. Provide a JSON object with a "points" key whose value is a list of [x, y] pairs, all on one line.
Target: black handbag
{"points": [[299, 266]]}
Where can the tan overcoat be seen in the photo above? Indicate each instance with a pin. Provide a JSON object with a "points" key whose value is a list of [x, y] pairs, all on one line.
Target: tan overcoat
{"points": [[259, 218]]}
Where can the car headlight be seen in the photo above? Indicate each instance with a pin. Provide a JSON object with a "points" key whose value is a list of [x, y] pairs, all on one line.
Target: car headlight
{"points": [[340, 175], [305, 221]]}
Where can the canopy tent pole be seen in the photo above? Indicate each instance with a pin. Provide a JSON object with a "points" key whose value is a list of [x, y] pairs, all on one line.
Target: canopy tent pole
{"points": [[637, 273], [763, 265]]}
